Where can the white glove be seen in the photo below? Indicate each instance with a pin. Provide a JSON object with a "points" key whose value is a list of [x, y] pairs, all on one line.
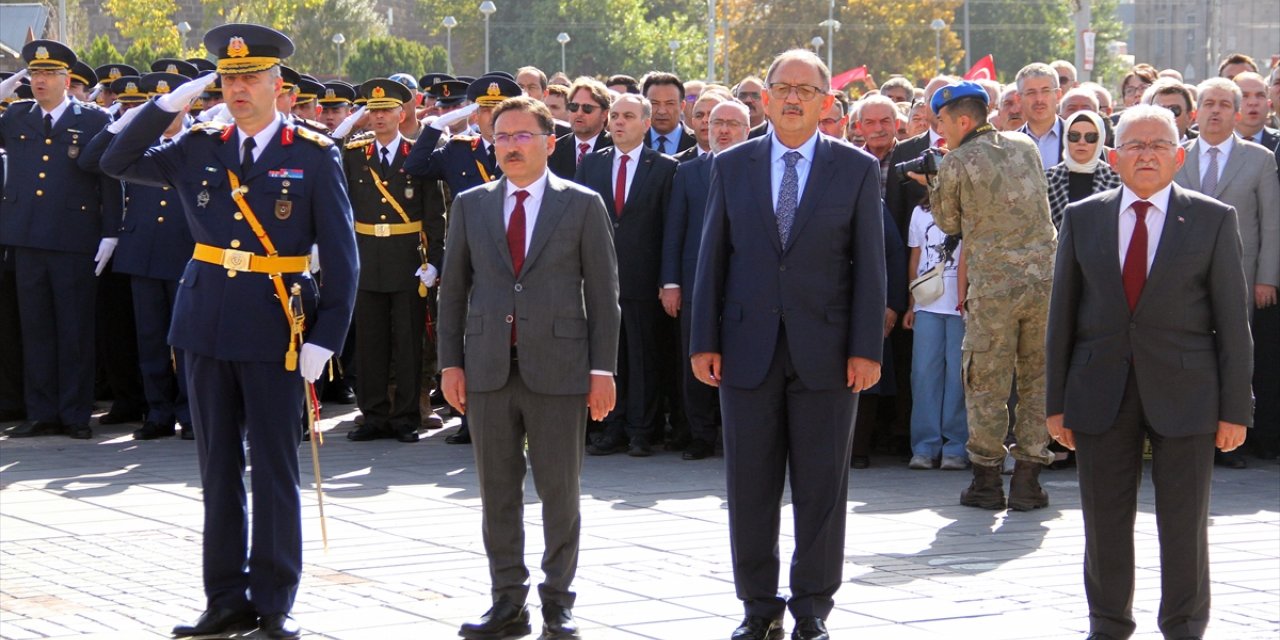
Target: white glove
{"points": [[114, 108], [105, 249], [216, 113], [176, 100], [315, 258], [349, 123], [124, 120], [312, 360], [93, 96], [10, 84], [442, 122], [428, 276]]}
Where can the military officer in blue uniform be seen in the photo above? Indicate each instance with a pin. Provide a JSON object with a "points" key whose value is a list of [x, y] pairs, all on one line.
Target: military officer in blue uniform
{"points": [[257, 194], [61, 221], [399, 223], [155, 245], [335, 103], [83, 81], [107, 74]]}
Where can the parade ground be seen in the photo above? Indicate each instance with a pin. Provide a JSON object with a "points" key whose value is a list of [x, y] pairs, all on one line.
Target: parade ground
{"points": [[100, 539]]}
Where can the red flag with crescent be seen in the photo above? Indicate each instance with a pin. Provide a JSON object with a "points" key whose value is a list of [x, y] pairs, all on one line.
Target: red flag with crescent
{"points": [[984, 69], [840, 81]]}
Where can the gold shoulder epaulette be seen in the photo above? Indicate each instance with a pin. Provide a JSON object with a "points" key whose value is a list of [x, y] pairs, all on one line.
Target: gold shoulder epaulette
{"points": [[211, 127], [361, 140], [314, 137], [462, 138]]}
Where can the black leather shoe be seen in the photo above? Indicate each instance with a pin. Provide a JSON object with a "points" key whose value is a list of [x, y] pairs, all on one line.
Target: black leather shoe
{"points": [[558, 624], [153, 430], [32, 428], [758, 628], [1229, 459], [810, 629], [697, 450], [463, 436], [1100, 636], [407, 434], [859, 462], [217, 620], [280, 626], [80, 432], [120, 417], [500, 621], [364, 433], [605, 446], [639, 448], [341, 394], [188, 432]]}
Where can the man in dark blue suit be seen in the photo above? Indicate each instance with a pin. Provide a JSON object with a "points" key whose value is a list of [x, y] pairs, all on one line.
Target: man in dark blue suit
{"points": [[258, 194], [61, 222], [788, 320], [681, 237]]}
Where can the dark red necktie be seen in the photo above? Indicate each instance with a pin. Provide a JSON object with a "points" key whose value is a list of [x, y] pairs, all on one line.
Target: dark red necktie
{"points": [[582, 150], [1135, 257], [620, 186], [515, 243], [941, 142]]}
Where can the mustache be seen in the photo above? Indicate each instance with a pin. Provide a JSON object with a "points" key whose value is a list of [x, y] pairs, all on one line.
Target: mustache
{"points": [[790, 108], [513, 156]]}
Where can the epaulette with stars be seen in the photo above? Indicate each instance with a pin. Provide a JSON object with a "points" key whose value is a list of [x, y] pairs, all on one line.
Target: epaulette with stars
{"points": [[318, 127], [320, 139], [212, 127], [469, 140], [360, 140]]}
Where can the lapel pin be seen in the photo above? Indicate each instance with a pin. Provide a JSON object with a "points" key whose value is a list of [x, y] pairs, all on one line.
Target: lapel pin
{"points": [[1181, 219]]}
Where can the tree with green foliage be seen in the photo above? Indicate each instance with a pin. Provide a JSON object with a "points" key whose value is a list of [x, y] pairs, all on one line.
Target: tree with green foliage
{"points": [[148, 23], [381, 56], [315, 52], [141, 55], [1017, 33], [101, 52], [277, 14]]}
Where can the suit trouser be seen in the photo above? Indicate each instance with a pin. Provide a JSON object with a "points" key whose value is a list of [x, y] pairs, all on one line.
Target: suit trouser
{"points": [[1003, 342], [56, 304], [637, 378], [117, 343], [10, 343], [700, 400], [1266, 378], [257, 401], [1110, 471], [389, 328], [778, 428], [164, 380], [554, 426]]}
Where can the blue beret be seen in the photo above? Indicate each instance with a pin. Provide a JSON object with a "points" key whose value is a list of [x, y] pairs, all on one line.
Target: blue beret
{"points": [[956, 91]]}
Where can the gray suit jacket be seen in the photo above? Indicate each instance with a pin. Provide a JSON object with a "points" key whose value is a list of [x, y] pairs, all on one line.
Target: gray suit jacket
{"points": [[564, 302], [1249, 184], [1188, 337]]}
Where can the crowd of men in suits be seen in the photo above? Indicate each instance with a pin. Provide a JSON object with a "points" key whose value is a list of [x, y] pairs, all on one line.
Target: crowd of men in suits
{"points": [[97, 254]]}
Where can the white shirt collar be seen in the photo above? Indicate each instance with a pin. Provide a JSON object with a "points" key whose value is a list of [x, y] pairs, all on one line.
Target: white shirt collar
{"points": [[1224, 147], [262, 138], [58, 110], [807, 149], [1159, 199], [535, 188], [634, 154], [392, 147]]}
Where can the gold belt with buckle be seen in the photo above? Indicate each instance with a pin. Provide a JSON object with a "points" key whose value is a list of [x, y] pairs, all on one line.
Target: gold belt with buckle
{"points": [[234, 260], [385, 230]]}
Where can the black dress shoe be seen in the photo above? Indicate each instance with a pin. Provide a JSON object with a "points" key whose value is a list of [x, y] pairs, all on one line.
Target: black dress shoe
{"points": [[153, 430], [188, 432], [500, 621], [810, 629], [558, 624], [80, 432], [32, 428], [1229, 459], [1100, 636], [758, 628], [463, 436], [280, 626], [217, 620], [407, 434], [605, 446], [639, 448], [120, 417], [859, 462], [697, 450], [365, 432], [341, 394]]}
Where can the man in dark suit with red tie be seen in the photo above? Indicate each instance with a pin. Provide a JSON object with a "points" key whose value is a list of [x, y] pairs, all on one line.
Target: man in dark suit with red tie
{"points": [[1152, 343], [588, 107]]}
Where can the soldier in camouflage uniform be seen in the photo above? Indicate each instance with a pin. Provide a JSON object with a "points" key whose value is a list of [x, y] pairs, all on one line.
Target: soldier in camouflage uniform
{"points": [[992, 189]]}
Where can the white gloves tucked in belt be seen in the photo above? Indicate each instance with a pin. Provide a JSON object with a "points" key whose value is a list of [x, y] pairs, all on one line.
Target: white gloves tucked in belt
{"points": [[312, 360], [105, 249], [428, 275]]}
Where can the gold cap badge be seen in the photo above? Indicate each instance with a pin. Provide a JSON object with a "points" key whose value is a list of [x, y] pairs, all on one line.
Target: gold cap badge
{"points": [[236, 48], [162, 87], [329, 94], [42, 53], [493, 90], [378, 92], [172, 68]]}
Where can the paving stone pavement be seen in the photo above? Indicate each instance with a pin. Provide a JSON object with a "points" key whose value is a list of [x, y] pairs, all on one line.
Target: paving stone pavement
{"points": [[100, 540]]}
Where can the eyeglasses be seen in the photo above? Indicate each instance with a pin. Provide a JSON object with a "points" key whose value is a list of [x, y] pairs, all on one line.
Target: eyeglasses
{"points": [[720, 122], [1135, 89], [1046, 92], [1091, 137], [806, 92], [748, 95], [691, 98], [46, 73], [1176, 110], [1156, 146], [519, 137], [1063, 81], [828, 122], [588, 109]]}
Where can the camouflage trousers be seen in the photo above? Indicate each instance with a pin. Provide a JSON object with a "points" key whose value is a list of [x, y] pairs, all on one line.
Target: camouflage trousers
{"points": [[1004, 341]]}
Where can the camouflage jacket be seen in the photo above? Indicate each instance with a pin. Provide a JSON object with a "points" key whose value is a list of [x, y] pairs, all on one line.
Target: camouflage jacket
{"points": [[992, 188]]}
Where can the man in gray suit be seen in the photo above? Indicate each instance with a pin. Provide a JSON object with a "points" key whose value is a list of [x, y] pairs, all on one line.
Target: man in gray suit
{"points": [[1148, 337], [1234, 171], [528, 336]]}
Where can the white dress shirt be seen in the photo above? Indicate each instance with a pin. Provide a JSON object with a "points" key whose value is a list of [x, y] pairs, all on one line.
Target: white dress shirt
{"points": [[58, 110], [777, 165], [1154, 221], [390, 149], [634, 156], [261, 139], [1224, 153]]}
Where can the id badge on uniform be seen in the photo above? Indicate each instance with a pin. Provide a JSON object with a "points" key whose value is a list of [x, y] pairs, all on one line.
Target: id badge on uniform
{"points": [[408, 191], [284, 209]]}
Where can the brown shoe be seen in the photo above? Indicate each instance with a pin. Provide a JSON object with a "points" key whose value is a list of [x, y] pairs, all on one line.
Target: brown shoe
{"points": [[1025, 492], [987, 489]]}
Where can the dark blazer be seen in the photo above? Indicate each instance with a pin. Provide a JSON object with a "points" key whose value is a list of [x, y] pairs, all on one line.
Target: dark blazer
{"points": [[564, 300], [683, 229], [564, 160], [686, 139], [758, 130], [637, 231], [689, 154], [461, 163], [50, 201], [747, 282], [902, 195], [1189, 332]]}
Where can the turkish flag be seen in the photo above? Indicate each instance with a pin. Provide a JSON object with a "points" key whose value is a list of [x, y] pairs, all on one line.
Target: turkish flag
{"points": [[984, 69], [842, 80]]}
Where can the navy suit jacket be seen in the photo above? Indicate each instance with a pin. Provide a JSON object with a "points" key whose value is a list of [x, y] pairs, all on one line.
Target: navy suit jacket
{"points": [[825, 289], [683, 228]]}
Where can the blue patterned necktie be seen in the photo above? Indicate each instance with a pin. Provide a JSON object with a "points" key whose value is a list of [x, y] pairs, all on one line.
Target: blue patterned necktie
{"points": [[788, 196]]}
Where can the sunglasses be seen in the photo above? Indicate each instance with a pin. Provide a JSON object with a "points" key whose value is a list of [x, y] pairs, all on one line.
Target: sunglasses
{"points": [[1176, 110], [588, 109], [1074, 136]]}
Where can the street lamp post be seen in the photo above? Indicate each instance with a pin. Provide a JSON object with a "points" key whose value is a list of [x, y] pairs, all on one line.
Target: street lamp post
{"points": [[832, 26], [184, 28], [338, 40], [487, 8], [817, 43], [937, 25], [673, 45], [448, 23], [563, 39]]}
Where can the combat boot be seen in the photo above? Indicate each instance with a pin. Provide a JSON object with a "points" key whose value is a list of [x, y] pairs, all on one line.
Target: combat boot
{"points": [[1025, 492], [987, 489]]}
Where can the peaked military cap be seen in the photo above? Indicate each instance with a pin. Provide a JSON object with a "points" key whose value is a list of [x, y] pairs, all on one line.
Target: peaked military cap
{"points": [[247, 48], [957, 91], [107, 73], [80, 72], [309, 89], [159, 83], [128, 89], [291, 78], [502, 74], [384, 93], [449, 92], [202, 64], [48, 54], [427, 81], [466, 79], [174, 65], [337, 93], [490, 90]]}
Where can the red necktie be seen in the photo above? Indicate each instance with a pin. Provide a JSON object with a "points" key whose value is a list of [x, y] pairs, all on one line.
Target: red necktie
{"points": [[515, 243], [582, 150], [1135, 257], [942, 142], [620, 186]]}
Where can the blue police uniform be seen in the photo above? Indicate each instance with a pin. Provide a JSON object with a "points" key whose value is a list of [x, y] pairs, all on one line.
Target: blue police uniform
{"points": [[230, 322], [55, 215]]}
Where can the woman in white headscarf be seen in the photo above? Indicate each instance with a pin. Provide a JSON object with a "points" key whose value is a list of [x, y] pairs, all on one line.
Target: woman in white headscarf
{"points": [[1083, 170]]}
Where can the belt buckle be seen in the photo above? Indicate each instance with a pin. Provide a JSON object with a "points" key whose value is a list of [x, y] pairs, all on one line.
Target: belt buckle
{"points": [[236, 260], [382, 230]]}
